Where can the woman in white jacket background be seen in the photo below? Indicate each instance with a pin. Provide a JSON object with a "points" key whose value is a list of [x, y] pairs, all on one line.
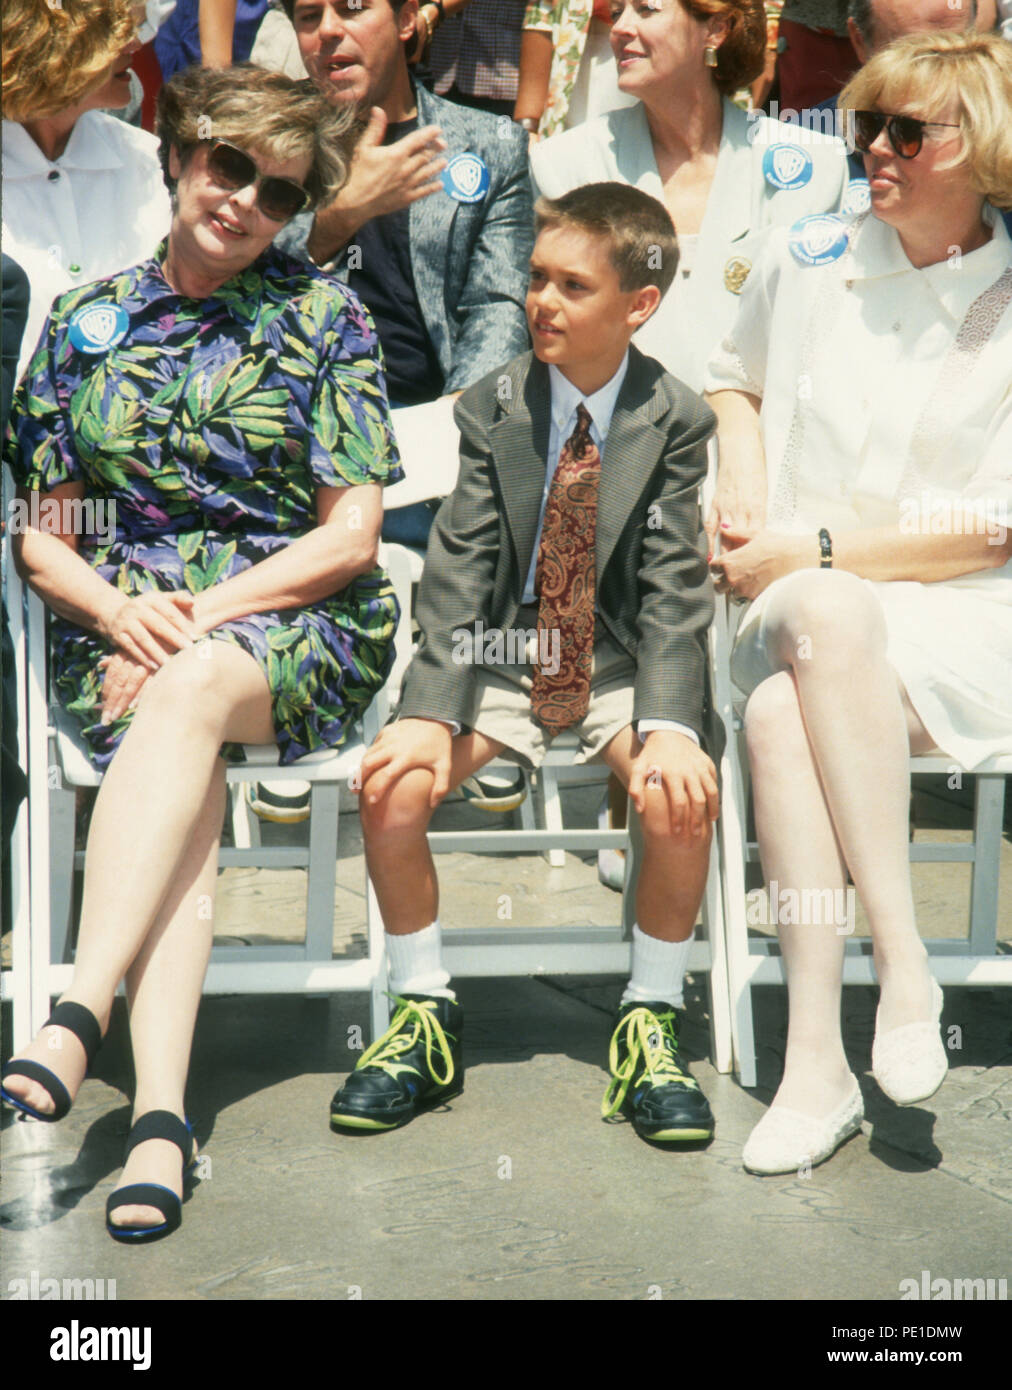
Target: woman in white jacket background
{"points": [[726, 176], [83, 193]]}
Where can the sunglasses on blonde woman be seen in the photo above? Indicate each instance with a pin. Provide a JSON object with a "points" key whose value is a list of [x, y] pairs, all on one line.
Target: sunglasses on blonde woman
{"points": [[906, 133], [232, 169]]}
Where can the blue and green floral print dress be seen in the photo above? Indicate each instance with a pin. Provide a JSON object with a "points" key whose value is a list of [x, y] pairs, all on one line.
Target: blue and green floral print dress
{"points": [[210, 425]]}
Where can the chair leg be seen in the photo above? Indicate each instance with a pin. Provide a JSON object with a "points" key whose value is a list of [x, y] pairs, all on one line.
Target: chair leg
{"points": [[731, 832], [245, 823], [720, 1001], [552, 804], [62, 838], [634, 858], [527, 817], [988, 809], [379, 1004], [323, 832], [21, 929]]}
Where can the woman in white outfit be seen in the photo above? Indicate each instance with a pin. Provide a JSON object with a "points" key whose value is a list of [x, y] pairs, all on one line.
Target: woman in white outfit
{"points": [[864, 400]]}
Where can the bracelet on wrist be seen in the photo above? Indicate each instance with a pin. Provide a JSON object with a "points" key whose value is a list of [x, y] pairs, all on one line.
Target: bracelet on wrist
{"points": [[825, 549], [529, 123], [440, 7]]}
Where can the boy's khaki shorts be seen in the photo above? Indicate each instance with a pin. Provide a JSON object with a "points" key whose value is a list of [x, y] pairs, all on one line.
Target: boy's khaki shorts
{"points": [[504, 702]]}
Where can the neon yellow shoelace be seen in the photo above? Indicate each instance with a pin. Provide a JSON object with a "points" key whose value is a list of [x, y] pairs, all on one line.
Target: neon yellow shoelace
{"points": [[386, 1051], [644, 1040]]}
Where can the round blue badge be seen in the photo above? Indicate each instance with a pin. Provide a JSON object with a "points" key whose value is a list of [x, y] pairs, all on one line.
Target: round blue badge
{"points": [[819, 239], [787, 167], [466, 178], [98, 327], [856, 198]]}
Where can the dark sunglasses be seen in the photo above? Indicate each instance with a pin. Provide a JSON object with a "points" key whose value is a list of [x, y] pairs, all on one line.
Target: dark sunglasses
{"points": [[906, 133], [232, 169]]}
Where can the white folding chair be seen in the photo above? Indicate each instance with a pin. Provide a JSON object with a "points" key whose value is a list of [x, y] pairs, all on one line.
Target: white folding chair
{"points": [[57, 766]]}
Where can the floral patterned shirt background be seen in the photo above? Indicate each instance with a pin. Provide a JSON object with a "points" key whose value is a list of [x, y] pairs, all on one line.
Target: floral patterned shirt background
{"points": [[210, 426]]}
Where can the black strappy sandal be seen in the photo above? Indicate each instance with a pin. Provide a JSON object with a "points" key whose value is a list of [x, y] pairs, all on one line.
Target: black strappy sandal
{"points": [[85, 1027], [156, 1124]]}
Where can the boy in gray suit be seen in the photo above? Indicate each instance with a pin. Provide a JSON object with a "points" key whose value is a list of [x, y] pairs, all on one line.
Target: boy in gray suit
{"points": [[563, 589]]}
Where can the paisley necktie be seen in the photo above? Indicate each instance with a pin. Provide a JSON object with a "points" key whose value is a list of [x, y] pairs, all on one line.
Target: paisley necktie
{"points": [[565, 581]]}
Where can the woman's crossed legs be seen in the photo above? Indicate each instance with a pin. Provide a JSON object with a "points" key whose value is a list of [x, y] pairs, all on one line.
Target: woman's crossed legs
{"points": [[829, 739], [149, 883]]}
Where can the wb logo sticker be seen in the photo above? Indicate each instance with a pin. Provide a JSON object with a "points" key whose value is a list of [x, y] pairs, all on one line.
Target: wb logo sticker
{"points": [[98, 327], [787, 167], [819, 239], [466, 178], [856, 199]]}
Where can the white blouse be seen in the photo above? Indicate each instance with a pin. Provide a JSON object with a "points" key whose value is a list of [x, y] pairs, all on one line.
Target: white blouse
{"points": [[887, 400], [100, 207]]}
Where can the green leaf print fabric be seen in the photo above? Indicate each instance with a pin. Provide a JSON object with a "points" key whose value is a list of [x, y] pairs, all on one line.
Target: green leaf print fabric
{"points": [[210, 426]]}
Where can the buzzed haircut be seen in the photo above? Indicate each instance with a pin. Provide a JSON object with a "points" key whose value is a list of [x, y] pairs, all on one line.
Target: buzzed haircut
{"points": [[640, 234]]}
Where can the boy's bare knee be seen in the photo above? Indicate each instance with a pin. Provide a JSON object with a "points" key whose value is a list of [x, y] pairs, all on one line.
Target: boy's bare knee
{"points": [[684, 857], [654, 819], [403, 809]]}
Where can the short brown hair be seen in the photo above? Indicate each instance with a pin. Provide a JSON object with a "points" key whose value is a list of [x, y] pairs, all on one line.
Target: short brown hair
{"points": [[289, 7], [929, 72], [642, 244], [283, 117], [53, 55], [741, 56]]}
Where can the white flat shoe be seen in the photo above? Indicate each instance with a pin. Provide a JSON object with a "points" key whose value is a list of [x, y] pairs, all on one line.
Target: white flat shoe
{"points": [[784, 1140], [910, 1063]]}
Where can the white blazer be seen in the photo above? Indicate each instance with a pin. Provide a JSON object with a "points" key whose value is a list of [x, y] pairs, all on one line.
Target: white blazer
{"points": [[697, 312]]}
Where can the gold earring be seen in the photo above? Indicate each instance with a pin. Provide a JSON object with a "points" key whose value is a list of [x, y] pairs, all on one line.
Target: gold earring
{"points": [[710, 56]]}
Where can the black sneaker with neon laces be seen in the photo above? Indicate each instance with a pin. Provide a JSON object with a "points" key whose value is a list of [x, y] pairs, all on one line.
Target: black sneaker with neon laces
{"points": [[416, 1064], [649, 1084]]}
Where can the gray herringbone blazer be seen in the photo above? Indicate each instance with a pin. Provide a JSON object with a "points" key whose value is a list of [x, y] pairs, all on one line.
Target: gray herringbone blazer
{"points": [[469, 260], [654, 594]]}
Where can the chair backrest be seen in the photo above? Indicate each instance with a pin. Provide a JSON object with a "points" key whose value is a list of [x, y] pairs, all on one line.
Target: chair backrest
{"points": [[429, 444], [396, 560]]}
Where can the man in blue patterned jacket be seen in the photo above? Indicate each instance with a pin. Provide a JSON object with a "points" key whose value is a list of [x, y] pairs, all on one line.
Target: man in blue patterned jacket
{"points": [[434, 228]]}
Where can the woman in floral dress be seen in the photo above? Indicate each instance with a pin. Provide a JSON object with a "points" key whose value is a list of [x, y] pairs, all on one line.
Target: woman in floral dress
{"points": [[231, 403]]}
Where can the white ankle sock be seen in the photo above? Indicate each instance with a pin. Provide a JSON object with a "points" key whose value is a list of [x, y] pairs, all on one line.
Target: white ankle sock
{"points": [[416, 963], [657, 970]]}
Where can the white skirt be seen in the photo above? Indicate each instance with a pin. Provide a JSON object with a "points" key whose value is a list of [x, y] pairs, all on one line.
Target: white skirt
{"points": [[950, 646]]}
